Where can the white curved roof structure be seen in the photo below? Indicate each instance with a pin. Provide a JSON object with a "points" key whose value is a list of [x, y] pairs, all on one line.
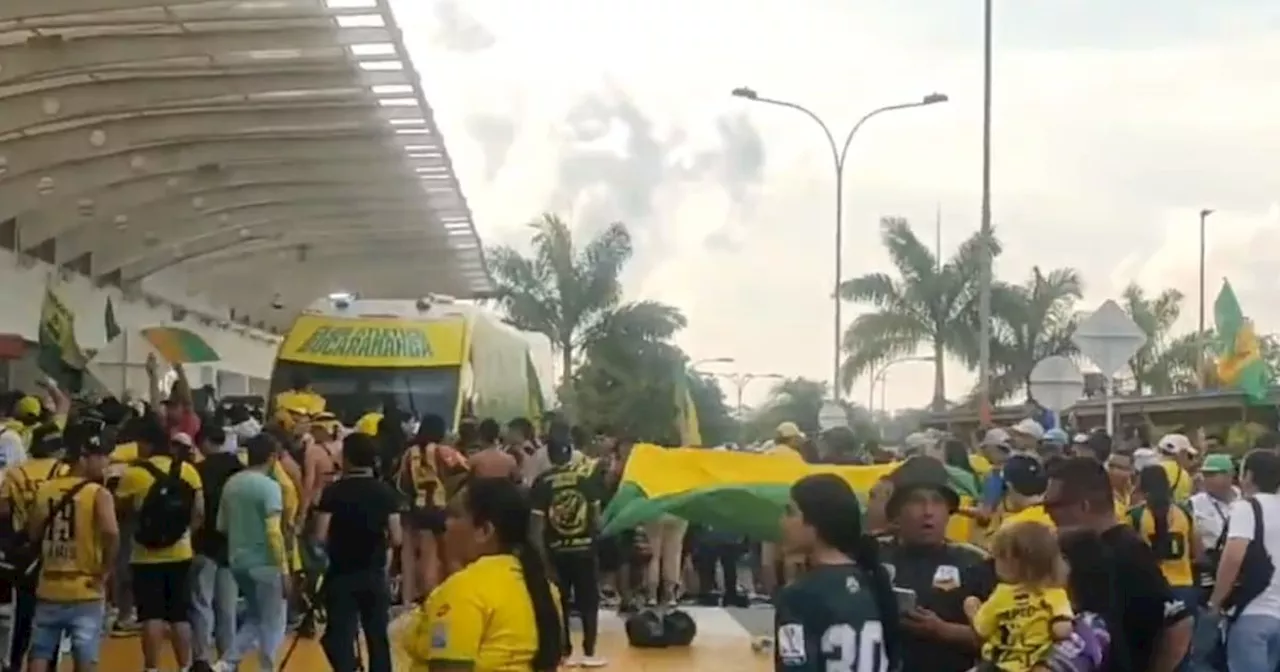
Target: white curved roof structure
{"points": [[269, 150]]}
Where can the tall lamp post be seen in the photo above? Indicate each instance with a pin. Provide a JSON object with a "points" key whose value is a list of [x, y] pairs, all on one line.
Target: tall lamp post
{"points": [[879, 375], [838, 154], [712, 360], [741, 380], [984, 275], [1204, 214]]}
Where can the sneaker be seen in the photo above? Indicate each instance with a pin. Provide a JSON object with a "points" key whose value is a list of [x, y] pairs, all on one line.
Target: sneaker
{"points": [[573, 661], [593, 661], [126, 627]]}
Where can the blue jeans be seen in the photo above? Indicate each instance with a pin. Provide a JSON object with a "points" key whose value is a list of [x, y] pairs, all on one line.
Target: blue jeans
{"points": [[213, 609], [81, 622], [1253, 644], [263, 626]]}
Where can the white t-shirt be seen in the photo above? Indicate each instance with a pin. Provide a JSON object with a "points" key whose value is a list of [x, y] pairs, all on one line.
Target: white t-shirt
{"points": [[1211, 516], [1241, 527], [12, 452]]}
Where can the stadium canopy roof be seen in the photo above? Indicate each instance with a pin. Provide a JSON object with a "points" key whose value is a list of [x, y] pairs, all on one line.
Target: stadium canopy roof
{"points": [[271, 151]]}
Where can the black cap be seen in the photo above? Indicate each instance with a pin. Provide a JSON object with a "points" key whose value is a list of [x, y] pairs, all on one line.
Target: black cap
{"points": [[1025, 475], [921, 472]]}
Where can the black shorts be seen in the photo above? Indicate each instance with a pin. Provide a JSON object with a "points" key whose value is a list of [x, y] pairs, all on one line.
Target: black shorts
{"points": [[162, 591], [427, 519]]}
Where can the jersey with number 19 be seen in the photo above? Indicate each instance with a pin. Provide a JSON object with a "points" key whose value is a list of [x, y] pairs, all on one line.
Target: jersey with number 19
{"points": [[71, 551], [827, 621]]}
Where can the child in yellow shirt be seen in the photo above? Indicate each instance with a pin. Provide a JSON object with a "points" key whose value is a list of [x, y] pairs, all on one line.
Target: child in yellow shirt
{"points": [[1029, 610]]}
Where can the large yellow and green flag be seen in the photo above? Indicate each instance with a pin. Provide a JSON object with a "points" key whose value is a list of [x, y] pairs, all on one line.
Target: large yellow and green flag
{"points": [[60, 355], [735, 492], [1240, 363]]}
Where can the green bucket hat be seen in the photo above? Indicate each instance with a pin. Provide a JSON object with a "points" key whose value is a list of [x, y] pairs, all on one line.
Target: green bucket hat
{"points": [[1217, 464]]}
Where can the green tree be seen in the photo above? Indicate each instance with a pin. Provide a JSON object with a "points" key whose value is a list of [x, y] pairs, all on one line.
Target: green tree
{"points": [[928, 303], [574, 295], [717, 424], [797, 400], [1031, 321], [1154, 365]]}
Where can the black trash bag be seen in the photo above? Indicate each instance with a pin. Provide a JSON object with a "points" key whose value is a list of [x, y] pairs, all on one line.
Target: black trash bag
{"points": [[679, 628], [645, 630]]}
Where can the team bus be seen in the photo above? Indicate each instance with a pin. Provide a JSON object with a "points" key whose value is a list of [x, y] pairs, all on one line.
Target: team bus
{"points": [[427, 356]]}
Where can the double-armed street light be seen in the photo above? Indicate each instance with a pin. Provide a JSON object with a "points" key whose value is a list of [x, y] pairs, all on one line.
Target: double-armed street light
{"points": [[838, 155]]}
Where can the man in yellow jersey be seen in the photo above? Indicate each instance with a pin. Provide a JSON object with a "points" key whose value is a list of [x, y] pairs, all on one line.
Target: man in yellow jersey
{"points": [[1178, 457], [249, 515], [75, 516], [163, 490], [1025, 481], [17, 496]]}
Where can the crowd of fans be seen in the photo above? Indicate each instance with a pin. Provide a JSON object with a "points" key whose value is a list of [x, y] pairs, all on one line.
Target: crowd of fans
{"points": [[219, 532]]}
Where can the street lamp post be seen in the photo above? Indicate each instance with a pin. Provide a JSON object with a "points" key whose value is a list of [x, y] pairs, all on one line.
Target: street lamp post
{"points": [[879, 375], [1204, 214], [712, 360], [740, 382], [838, 155], [984, 254]]}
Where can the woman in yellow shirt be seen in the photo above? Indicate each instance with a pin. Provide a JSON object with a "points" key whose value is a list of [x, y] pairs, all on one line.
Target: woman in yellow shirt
{"points": [[1169, 529], [500, 612]]}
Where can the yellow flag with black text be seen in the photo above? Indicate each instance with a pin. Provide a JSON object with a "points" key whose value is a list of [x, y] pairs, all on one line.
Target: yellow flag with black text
{"points": [[60, 354]]}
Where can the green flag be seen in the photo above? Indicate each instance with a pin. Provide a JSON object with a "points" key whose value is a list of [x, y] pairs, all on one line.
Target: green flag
{"points": [[1240, 362], [60, 356], [112, 326]]}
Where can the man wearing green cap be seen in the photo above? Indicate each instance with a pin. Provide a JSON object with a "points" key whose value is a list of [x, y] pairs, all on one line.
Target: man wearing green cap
{"points": [[1211, 506]]}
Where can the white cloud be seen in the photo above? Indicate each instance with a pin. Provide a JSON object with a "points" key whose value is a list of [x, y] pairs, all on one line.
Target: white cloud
{"points": [[1112, 130]]}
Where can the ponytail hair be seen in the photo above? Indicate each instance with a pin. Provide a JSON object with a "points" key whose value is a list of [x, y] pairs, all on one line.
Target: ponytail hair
{"points": [[1153, 481], [545, 614], [866, 553], [829, 505], [502, 504]]}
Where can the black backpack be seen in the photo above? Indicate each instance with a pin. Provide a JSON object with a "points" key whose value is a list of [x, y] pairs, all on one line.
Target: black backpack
{"points": [[1256, 569], [165, 515]]}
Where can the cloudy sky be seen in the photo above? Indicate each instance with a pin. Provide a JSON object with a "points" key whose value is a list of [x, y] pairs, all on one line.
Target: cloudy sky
{"points": [[1114, 124]]}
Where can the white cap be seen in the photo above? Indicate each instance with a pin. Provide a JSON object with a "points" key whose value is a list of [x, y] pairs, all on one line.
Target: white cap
{"points": [[1029, 427], [918, 440], [1175, 444], [1145, 457], [996, 437]]}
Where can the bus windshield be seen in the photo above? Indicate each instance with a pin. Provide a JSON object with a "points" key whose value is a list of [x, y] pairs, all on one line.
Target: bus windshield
{"points": [[351, 392]]}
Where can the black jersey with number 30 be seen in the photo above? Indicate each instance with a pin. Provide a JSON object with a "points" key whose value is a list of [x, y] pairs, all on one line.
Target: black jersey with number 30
{"points": [[827, 621]]}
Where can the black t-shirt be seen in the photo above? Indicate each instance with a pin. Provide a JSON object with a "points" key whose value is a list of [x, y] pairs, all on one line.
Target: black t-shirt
{"points": [[827, 619], [942, 577], [568, 497], [359, 507], [1143, 597], [215, 470]]}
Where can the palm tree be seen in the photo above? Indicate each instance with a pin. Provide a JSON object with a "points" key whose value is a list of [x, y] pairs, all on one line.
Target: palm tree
{"points": [[1155, 316], [797, 400], [1032, 321], [574, 295], [928, 303]]}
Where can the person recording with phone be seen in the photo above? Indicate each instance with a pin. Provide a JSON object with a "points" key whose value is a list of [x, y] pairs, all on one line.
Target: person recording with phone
{"points": [[932, 575]]}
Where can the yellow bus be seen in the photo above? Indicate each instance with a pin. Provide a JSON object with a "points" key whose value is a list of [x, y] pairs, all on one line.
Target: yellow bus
{"points": [[427, 356]]}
